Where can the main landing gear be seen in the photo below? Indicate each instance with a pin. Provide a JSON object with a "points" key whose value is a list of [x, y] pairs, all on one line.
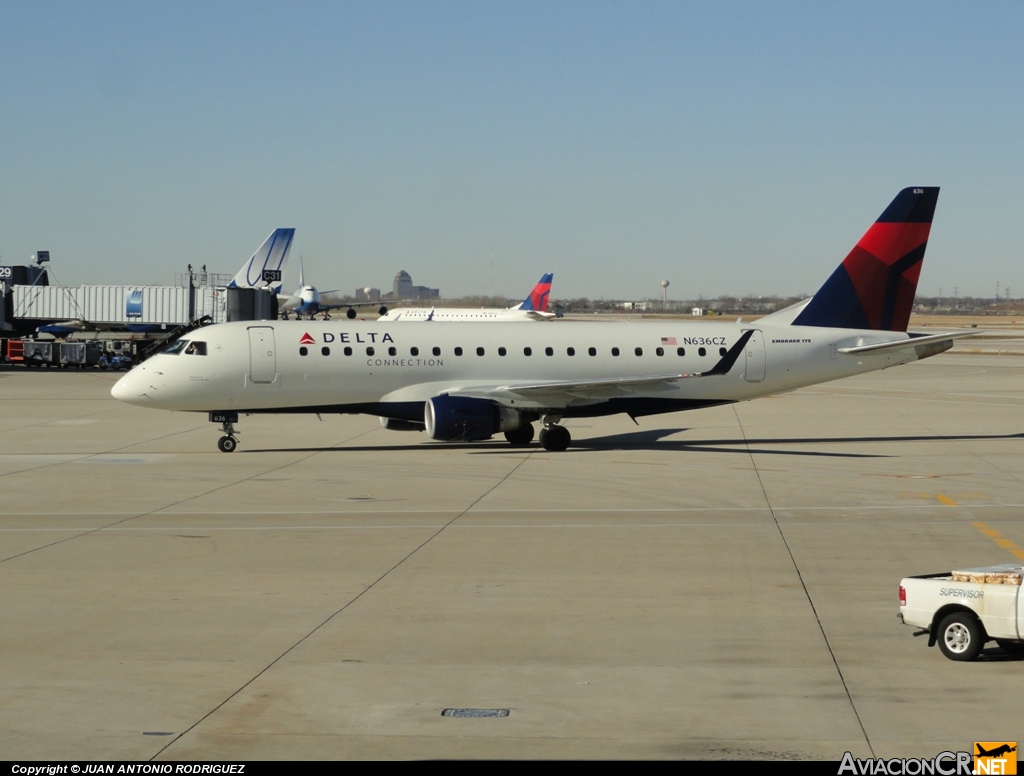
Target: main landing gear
{"points": [[552, 436], [226, 443], [520, 437]]}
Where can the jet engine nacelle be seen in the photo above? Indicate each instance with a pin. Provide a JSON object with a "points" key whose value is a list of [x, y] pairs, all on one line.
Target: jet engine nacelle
{"points": [[461, 419]]}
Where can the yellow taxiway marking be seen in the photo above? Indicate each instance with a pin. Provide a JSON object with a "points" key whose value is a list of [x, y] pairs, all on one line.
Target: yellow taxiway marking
{"points": [[943, 499], [999, 539]]}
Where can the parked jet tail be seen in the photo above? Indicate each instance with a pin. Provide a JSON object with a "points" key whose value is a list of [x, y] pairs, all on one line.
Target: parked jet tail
{"points": [[266, 267], [874, 287], [538, 298]]}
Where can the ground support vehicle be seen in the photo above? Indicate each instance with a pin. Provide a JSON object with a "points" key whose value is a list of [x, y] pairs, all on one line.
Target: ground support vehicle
{"points": [[963, 610]]}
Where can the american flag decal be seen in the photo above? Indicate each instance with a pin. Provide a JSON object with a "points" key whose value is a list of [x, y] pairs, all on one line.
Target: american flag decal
{"points": [[668, 340]]}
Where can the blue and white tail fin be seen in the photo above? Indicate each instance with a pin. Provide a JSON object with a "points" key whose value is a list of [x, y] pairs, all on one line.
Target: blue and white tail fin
{"points": [[537, 299], [266, 267]]}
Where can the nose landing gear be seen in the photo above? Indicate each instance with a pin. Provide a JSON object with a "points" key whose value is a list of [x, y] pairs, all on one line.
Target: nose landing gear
{"points": [[226, 443]]}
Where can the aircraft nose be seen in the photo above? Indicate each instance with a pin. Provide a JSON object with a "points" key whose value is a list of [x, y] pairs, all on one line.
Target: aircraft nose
{"points": [[132, 389]]}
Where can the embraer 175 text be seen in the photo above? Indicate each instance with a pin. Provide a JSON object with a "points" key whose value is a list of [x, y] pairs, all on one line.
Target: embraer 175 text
{"points": [[533, 308], [463, 382]]}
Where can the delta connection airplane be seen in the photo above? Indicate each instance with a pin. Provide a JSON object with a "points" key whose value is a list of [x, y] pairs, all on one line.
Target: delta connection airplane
{"points": [[461, 382], [533, 308]]}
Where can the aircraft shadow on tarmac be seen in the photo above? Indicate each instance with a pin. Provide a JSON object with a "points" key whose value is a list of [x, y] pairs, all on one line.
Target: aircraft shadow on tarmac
{"points": [[655, 439]]}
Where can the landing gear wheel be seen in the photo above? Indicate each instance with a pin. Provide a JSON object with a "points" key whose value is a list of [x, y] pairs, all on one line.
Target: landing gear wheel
{"points": [[555, 438], [1013, 648], [520, 437], [350, 313], [227, 444], [960, 636]]}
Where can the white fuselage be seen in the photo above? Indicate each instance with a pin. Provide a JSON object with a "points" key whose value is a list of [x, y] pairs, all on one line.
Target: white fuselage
{"points": [[463, 314], [368, 366]]}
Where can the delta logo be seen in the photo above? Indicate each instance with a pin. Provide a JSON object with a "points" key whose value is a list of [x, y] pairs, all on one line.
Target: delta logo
{"points": [[307, 339], [995, 757]]}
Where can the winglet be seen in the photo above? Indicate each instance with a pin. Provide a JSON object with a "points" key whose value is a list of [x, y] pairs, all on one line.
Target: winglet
{"points": [[874, 287], [728, 361], [266, 267]]}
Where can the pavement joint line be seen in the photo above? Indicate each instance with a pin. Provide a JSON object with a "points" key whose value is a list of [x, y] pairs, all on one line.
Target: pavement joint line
{"points": [[87, 456], [807, 593], [998, 538], [467, 527], [345, 606], [525, 511], [159, 509], [51, 422], [912, 398]]}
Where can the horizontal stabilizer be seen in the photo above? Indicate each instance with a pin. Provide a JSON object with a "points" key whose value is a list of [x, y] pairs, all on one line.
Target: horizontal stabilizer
{"points": [[912, 342]]}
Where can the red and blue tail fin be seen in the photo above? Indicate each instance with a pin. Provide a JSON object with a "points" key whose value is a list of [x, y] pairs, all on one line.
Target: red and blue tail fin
{"points": [[874, 287], [538, 298]]}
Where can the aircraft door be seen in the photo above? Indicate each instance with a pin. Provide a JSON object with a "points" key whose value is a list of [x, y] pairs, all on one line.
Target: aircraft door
{"points": [[262, 354], [755, 369]]}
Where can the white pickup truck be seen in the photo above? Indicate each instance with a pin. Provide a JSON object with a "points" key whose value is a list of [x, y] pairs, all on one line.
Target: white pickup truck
{"points": [[961, 610]]}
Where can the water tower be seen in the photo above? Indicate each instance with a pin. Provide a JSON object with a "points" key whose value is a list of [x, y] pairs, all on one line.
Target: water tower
{"points": [[664, 293]]}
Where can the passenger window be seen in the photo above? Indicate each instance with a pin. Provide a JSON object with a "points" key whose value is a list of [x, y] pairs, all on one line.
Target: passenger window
{"points": [[722, 351], [325, 350], [660, 351], [303, 351], [369, 351], [571, 351], [527, 351], [458, 351], [436, 351], [592, 351], [392, 351], [615, 351], [549, 351], [702, 351], [479, 351], [502, 351], [639, 351], [414, 351], [680, 351], [348, 351]]}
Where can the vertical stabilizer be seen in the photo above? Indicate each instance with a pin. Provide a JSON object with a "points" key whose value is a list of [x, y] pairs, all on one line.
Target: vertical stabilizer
{"points": [[874, 287], [538, 297], [266, 267]]}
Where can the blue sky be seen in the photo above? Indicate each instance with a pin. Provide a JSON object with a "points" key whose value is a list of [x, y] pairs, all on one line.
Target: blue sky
{"points": [[732, 147]]}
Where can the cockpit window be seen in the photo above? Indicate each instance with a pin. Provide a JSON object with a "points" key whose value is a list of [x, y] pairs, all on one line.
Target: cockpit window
{"points": [[196, 348], [176, 347]]}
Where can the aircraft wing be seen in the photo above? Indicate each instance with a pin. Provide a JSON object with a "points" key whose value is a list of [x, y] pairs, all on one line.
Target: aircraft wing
{"points": [[562, 392], [339, 305], [912, 342], [288, 301]]}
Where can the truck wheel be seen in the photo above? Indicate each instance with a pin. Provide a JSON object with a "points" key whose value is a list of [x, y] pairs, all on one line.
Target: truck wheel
{"points": [[1014, 648], [960, 636]]}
